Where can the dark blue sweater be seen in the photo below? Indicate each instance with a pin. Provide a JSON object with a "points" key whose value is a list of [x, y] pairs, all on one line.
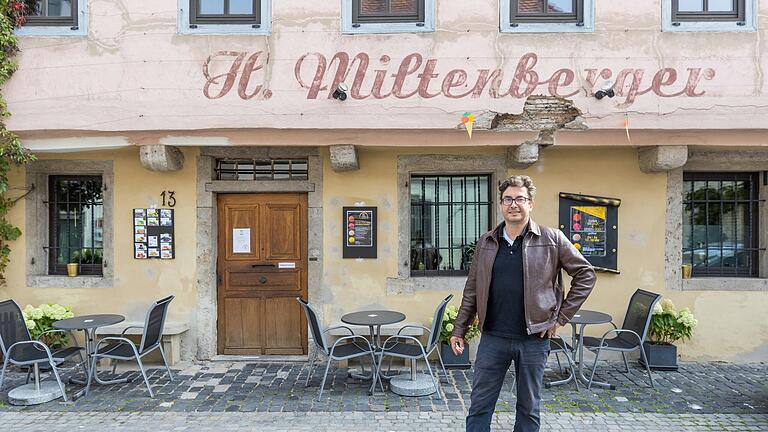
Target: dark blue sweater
{"points": [[506, 301]]}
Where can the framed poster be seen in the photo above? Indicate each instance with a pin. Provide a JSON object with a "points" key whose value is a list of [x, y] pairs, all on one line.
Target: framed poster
{"points": [[360, 232], [591, 224], [153, 236]]}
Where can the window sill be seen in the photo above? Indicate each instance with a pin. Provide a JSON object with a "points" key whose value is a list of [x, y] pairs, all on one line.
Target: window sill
{"points": [[384, 28], [50, 31], [548, 28], [226, 29], [725, 284], [712, 27], [69, 282], [409, 285]]}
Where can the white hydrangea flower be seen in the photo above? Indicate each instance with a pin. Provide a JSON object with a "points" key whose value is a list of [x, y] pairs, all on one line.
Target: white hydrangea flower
{"points": [[668, 306], [30, 324], [657, 309], [449, 327], [34, 313]]}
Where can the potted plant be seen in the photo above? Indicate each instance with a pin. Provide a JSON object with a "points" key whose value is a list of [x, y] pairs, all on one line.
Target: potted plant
{"points": [[40, 319], [73, 263], [449, 358], [667, 326]]}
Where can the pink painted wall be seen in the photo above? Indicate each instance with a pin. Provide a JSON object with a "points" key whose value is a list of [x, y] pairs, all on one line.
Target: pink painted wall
{"points": [[134, 72]]}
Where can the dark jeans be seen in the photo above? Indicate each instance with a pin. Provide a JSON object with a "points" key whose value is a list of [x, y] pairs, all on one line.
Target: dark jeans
{"points": [[494, 356]]}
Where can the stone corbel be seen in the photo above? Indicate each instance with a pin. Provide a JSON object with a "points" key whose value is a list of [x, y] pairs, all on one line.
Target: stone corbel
{"points": [[160, 157], [344, 158], [526, 154], [662, 158]]}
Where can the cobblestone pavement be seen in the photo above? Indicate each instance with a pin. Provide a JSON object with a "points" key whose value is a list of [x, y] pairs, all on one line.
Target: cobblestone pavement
{"points": [[700, 396], [363, 422]]}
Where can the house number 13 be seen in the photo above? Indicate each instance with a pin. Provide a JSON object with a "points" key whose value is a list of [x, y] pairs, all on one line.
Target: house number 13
{"points": [[168, 198]]}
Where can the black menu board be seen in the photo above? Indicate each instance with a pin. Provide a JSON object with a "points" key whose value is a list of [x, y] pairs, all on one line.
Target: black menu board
{"points": [[153, 236], [360, 232], [591, 225]]}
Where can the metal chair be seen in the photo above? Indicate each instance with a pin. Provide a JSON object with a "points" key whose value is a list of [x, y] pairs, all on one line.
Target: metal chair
{"points": [[400, 347], [342, 349], [631, 335], [122, 348], [19, 349]]}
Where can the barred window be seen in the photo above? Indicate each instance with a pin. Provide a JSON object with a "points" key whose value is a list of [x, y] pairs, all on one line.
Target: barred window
{"points": [[268, 169], [225, 12], [708, 10], [546, 11], [54, 13], [720, 223], [448, 214], [76, 218], [387, 11]]}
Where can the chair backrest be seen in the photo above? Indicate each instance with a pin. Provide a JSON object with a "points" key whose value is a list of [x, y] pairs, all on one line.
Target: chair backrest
{"points": [[638, 317], [12, 326], [314, 325], [153, 324], [437, 322]]}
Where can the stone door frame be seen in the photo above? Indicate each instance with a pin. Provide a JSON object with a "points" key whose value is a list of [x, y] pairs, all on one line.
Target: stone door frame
{"points": [[204, 325]]}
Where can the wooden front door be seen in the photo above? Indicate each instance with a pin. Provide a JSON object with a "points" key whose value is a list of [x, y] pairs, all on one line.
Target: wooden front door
{"points": [[261, 269]]}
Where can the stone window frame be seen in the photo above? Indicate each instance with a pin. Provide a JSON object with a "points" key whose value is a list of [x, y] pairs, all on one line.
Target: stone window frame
{"points": [[749, 24], [587, 25], [37, 216], [721, 161], [443, 164]]}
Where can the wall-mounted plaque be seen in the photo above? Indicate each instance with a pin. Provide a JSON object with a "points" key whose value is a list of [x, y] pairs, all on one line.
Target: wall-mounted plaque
{"points": [[591, 224], [153, 235], [360, 232]]}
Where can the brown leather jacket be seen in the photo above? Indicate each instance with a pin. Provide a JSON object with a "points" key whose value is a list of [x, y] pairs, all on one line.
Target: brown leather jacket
{"points": [[545, 252]]}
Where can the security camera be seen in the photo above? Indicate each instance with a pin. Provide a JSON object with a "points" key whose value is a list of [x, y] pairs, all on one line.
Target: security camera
{"points": [[603, 93], [341, 92], [606, 90]]}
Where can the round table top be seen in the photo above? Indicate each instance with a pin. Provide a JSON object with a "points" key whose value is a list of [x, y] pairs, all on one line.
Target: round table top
{"points": [[590, 317], [88, 322], [373, 317]]}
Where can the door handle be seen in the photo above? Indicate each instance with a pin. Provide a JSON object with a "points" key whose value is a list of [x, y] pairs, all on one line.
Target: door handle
{"points": [[263, 279]]}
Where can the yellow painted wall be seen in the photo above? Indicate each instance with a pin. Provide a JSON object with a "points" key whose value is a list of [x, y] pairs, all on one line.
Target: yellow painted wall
{"points": [[137, 282], [725, 332], [729, 329]]}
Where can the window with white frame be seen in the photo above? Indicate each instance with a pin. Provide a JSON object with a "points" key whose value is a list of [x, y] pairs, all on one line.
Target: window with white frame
{"points": [[387, 16], [224, 16], [547, 15], [55, 18], [709, 15]]}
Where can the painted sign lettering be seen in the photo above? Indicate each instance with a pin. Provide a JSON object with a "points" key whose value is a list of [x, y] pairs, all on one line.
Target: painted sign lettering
{"points": [[417, 76]]}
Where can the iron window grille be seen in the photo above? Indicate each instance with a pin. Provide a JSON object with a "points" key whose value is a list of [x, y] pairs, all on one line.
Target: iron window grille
{"points": [[720, 224], [448, 214], [708, 10], [254, 169], [76, 224], [225, 12], [58, 13], [546, 11], [387, 11]]}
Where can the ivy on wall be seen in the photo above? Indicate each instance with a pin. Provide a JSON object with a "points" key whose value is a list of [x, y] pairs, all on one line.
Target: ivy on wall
{"points": [[13, 13]]}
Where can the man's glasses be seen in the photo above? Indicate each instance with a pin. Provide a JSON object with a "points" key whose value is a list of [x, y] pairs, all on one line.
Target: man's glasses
{"points": [[519, 200]]}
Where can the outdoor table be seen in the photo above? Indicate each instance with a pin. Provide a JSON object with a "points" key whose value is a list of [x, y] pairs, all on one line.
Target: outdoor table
{"points": [[584, 318], [374, 319], [88, 324]]}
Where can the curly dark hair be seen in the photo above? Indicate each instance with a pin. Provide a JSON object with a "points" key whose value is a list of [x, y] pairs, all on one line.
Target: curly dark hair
{"points": [[518, 181]]}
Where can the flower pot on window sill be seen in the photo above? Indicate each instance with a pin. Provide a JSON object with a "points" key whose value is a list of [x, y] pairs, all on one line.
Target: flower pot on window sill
{"points": [[72, 269], [453, 361], [660, 357]]}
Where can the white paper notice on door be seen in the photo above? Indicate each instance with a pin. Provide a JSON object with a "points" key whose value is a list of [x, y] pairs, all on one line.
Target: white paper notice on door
{"points": [[241, 240]]}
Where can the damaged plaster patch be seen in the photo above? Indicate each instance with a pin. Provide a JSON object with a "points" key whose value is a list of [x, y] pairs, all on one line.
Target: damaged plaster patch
{"points": [[540, 113]]}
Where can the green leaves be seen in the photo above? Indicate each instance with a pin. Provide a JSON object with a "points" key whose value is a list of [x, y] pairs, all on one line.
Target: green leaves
{"points": [[668, 325]]}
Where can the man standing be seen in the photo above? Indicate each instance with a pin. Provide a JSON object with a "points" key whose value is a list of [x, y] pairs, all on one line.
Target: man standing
{"points": [[515, 289]]}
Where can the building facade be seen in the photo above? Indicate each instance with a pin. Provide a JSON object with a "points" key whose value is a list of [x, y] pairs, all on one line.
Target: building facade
{"points": [[270, 129]]}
